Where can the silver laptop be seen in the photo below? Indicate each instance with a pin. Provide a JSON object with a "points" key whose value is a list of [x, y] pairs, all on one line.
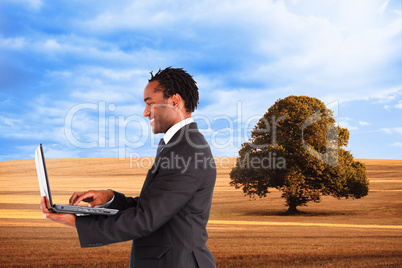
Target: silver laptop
{"points": [[45, 191]]}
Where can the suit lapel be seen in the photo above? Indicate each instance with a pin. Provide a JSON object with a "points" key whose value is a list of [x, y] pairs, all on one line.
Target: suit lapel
{"points": [[154, 170], [148, 179], [177, 137]]}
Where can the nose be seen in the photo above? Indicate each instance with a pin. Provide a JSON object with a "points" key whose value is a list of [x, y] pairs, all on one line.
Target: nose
{"points": [[147, 112]]}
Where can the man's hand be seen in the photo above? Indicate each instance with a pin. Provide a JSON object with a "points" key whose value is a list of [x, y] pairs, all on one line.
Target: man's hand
{"points": [[93, 198], [63, 218]]}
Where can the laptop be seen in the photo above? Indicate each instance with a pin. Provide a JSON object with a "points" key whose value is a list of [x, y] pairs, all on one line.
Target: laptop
{"points": [[45, 191]]}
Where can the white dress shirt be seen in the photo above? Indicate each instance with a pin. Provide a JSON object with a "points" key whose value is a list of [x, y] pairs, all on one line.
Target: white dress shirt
{"points": [[176, 127], [166, 138]]}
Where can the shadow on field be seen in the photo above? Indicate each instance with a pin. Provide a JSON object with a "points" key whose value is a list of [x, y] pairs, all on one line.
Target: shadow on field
{"points": [[298, 213]]}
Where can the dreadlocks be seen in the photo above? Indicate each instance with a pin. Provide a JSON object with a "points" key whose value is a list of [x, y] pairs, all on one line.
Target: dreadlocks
{"points": [[177, 81]]}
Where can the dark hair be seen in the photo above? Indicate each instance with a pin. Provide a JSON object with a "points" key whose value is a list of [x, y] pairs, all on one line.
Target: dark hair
{"points": [[177, 81]]}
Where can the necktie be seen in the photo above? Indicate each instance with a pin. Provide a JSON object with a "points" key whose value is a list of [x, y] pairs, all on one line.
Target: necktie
{"points": [[160, 146]]}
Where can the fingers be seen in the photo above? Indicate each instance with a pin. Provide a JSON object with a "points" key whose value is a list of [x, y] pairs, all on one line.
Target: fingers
{"points": [[74, 197], [63, 218], [92, 197], [44, 204], [86, 197]]}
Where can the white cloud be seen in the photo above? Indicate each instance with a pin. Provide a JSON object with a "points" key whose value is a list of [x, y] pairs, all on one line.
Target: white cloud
{"points": [[34, 4], [94, 84], [386, 95], [52, 45], [60, 74], [363, 123], [13, 43], [62, 47], [344, 122], [54, 153], [138, 14], [116, 74], [234, 104], [320, 48], [383, 7], [247, 55], [393, 130], [397, 144], [399, 105], [9, 122], [99, 93], [341, 51]]}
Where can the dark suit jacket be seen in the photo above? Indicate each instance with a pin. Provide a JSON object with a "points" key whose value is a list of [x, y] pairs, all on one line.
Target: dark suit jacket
{"points": [[167, 222]]}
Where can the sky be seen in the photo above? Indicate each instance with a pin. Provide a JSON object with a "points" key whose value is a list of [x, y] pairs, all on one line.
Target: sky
{"points": [[72, 73]]}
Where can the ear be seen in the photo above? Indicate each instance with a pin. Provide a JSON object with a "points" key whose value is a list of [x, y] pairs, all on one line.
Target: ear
{"points": [[176, 99]]}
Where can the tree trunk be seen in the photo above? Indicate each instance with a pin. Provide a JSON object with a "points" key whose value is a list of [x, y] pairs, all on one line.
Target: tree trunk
{"points": [[292, 208]]}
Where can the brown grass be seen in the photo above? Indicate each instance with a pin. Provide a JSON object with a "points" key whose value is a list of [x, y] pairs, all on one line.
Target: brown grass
{"points": [[243, 232]]}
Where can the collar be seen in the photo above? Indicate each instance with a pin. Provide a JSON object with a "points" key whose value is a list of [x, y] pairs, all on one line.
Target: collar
{"points": [[171, 131]]}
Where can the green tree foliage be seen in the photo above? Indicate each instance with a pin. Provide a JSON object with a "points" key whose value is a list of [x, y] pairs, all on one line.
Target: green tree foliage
{"points": [[297, 148]]}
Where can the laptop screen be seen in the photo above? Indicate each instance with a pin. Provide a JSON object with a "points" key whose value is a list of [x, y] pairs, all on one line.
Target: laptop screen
{"points": [[42, 174]]}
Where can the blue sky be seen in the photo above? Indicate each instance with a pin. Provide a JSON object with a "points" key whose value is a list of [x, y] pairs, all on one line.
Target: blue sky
{"points": [[72, 73]]}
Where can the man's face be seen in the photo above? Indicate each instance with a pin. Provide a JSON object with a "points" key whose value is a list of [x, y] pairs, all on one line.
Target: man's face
{"points": [[159, 110]]}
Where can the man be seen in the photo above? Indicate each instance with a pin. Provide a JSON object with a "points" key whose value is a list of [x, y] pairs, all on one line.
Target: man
{"points": [[167, 222]]}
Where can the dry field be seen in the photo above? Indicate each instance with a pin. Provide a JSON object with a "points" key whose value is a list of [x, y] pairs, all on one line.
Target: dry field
{"points": [[242, 232]]}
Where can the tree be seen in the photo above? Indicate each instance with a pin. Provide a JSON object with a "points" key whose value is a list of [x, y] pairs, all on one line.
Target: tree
{"points": [[297, 148]]}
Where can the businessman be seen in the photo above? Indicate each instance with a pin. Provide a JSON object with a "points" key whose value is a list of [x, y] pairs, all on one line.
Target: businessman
{"points": [[167, 221]]}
